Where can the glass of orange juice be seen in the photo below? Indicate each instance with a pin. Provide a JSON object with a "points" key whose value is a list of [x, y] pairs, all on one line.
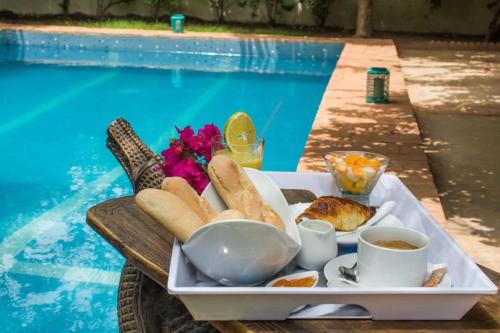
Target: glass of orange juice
{"points": [[247, 155]]}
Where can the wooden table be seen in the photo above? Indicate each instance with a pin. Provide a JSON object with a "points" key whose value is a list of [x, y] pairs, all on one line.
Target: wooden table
{"points": [[145, 306]]}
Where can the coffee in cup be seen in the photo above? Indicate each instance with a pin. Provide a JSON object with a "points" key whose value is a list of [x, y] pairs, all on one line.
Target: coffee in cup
{"points": [[382, 264], [396, 244]]}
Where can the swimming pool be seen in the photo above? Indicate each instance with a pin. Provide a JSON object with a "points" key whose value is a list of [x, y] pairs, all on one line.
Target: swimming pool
{"points": [[58, 94]]}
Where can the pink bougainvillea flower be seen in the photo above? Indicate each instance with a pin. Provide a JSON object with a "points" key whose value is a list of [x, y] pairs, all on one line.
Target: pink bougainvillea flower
{"points": [[192, 141], [205, 134], [192, 172], [201, 183], [171, 156], [208, 131], [186, 156], [185, 134]]}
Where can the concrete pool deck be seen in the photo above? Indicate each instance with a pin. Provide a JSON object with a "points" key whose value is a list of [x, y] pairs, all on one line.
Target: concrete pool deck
{"points": [[456, 95], [344, 120]]}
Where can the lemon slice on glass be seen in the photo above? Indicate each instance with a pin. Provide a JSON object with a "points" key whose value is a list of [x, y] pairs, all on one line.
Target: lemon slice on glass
{"points": [[239, 131]]}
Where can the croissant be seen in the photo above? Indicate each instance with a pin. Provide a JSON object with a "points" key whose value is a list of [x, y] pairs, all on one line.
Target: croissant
{"points": [[343, 214]]}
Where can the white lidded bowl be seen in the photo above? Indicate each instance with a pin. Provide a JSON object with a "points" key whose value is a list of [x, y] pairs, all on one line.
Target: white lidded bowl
{"points": [[244, 252]]}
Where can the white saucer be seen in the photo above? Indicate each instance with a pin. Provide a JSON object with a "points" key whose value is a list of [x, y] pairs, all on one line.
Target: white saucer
{"points": [[332, 274], [350, 238]]}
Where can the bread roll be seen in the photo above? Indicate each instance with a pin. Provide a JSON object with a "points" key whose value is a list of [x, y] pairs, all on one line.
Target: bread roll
{"points": [[181, 188], [238, 192], [229, 214], [170, 211]]}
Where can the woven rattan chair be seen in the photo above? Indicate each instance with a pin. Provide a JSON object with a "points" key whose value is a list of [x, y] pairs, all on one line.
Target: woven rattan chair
{"points": [[143, 305]]}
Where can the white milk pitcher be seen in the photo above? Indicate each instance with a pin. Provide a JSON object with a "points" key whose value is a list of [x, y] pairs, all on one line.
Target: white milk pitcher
{"points": [[319, 244]]}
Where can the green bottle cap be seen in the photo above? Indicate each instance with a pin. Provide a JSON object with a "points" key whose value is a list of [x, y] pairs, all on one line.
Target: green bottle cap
{"points": [[378, 70]]}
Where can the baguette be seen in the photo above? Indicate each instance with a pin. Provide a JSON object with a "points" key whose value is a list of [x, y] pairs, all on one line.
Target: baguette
{"points": [[170, 211], [181, 188], [238, 192], [228, 214]]}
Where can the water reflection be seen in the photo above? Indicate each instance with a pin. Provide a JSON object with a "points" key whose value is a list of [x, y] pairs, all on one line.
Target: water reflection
{"points": [[47, 305], [65, 277]]}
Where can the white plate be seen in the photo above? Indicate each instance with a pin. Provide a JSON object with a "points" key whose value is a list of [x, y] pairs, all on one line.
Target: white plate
{"points": [[349, 238], [332, 274]]}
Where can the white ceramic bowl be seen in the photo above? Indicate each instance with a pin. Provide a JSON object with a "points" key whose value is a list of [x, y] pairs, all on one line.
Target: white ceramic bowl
{"points": [[244, 252]]}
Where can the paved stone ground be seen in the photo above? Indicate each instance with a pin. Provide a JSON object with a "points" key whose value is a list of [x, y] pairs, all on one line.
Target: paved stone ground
{"points": [[456, 95]]}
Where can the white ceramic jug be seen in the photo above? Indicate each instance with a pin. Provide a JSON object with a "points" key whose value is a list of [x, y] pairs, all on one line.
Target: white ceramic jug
{"points": [[319, 244]]}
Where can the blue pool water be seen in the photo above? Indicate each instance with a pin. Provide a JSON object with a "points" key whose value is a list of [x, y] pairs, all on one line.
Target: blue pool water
{"points": [[56, 274]]}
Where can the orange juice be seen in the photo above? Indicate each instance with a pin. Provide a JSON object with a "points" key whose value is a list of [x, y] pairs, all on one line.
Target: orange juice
{"points": [[246, 159]]}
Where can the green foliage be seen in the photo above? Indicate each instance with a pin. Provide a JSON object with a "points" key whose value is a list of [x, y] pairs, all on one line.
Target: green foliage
{"points": [[221, 7], [119, 24], [273, 7], [116, 23], [320, 10], [104, 5], [254, 7], [171, 6], [276, 7], [64, 6]]}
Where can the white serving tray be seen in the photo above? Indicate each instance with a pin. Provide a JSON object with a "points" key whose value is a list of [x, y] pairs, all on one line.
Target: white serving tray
{"points": [[207, 301]]}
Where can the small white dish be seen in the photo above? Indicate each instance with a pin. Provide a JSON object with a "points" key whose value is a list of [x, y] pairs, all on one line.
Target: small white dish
{"points": [[244, 252], [350, 238], [296, 276], [331, 272]]}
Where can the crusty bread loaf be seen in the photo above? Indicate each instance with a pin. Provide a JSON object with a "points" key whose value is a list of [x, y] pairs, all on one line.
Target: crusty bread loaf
{"points": [[170, 211], [238, 192], [229, 214], [181, 188]]}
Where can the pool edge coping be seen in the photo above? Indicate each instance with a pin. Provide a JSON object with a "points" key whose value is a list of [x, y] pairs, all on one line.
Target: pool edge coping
{"points": [[188, 34]]}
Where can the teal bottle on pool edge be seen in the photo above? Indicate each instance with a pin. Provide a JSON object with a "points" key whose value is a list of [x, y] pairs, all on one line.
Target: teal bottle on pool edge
{"points": [[377, 85]]}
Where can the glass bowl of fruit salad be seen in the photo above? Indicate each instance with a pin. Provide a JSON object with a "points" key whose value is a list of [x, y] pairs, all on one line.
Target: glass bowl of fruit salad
{"points": [[356, 172]]}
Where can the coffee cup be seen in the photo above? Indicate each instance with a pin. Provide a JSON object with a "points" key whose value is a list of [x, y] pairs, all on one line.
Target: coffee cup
{"points": [[381, 266], [319, 244]]}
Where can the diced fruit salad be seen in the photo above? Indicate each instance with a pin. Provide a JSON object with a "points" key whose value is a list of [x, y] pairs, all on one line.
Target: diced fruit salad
{"points": [[355, 173]]}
